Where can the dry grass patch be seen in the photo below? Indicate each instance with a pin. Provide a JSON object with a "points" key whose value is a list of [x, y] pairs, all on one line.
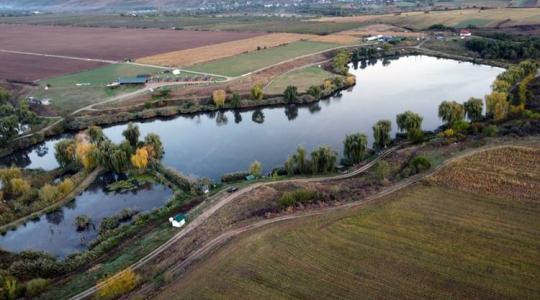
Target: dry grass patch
{"points": [[510, 172], [460, 18], [337, 38], [194, 56]]}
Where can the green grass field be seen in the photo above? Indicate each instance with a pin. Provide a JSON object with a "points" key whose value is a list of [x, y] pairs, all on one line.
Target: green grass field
{"points": [[302, 79], [66, 96], [245, 63], [422, 242]]}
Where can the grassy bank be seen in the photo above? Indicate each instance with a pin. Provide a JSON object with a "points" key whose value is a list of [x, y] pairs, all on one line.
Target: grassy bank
{"points": [[302, 79], [249, 62]]}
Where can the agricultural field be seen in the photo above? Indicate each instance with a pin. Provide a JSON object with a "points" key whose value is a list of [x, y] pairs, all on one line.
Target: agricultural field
{"points": [[302, 79], [109, 44], [459, 18], [30, 68], [229, 23], [512, 173], [73, 91], [222, 50], [425, 241], [249, 62]]}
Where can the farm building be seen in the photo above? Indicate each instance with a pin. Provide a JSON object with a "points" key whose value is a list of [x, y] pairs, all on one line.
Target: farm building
{"points": [[465, 33], [132, 80], [36, 101], [178, 221]]}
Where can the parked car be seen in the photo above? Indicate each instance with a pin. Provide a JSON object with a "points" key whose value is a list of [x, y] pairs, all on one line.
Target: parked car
{"points": [[232, 189]]}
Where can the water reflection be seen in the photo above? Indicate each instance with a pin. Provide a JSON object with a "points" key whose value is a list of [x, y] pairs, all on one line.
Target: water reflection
{"points": [[208, 145], [56, 232]]}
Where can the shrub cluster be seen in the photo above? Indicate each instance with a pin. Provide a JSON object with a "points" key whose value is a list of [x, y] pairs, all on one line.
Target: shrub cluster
{"points": [[293, 198]]}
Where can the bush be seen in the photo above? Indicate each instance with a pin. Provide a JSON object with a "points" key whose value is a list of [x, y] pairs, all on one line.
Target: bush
{"points": [[420, 164], [382, 170], [66, 186], [299, 196], [490, 130], [117, 285], [48, 193], [36, 286], [415, 135], [82, 222]]}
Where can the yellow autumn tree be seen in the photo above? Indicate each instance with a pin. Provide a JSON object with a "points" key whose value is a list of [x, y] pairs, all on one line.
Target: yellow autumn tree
{"points": [[19, 186], [327, 84], [350, 80], [497, 105], [140, 159], [83, 152], [257, 92], [219, 97], [66, 186], [118, 284]]}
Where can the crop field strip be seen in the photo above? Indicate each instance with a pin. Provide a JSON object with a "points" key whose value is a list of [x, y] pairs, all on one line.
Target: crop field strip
{"points": [[194, 56], [426, 241], [245, 63], [421, 20]]}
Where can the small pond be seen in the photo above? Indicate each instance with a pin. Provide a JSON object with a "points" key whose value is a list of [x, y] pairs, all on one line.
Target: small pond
{"points": [[56, 232], [211, 144]]}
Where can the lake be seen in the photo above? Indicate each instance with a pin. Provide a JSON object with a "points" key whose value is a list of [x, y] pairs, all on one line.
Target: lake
{"points": [[211, 144]]}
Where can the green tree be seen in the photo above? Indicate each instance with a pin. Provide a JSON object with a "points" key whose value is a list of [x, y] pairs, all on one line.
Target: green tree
{"points": [[154, 141], [257, 92], [96, 134], [381, 133], [132, 134], [323, 160], [255, 168], [451, 112], [473, 109], [8, 128], [355, 147], [235, 100], [340, 61], [290, 94], [4, 95], [409, 120], [65, 151], [314, 91]]}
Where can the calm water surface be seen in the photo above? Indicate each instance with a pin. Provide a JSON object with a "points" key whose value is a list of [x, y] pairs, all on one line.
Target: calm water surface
{"points": [[56, 233], [209, 145]]}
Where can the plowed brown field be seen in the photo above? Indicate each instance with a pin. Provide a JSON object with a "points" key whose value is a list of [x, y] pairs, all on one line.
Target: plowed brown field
{"points": [[93, 43]]}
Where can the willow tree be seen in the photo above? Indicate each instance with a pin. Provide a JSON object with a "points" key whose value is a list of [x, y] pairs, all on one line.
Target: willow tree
{"points": [[408, 121], [219, 97], [154, 146], [381, 133], [323, 160], [473, 109], [497, 105], [451, 112], [355, 147], [132, 134], [65, 152]]}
